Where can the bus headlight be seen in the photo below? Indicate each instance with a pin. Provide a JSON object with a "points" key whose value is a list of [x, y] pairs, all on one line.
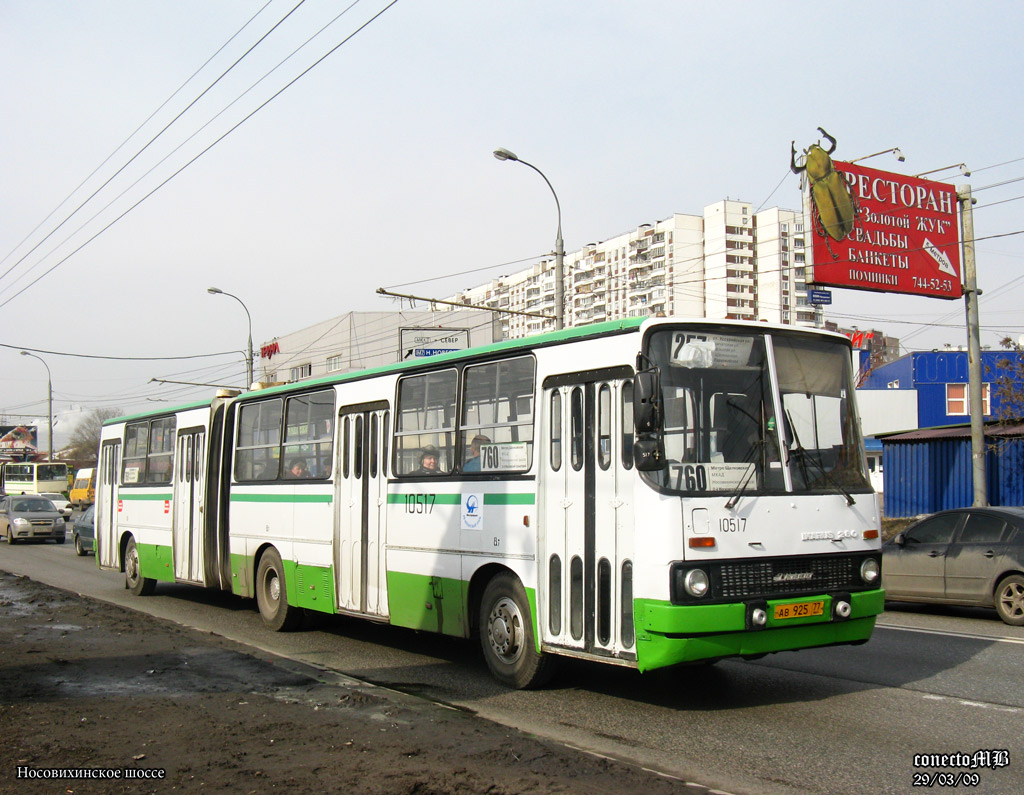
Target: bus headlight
{"points": [[869, 570], [696, 582]]}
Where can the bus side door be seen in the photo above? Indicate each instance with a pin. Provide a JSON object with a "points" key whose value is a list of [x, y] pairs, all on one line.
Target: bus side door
{"points": [[586, 579], [107, 505], [360, 508], [190, 464]]}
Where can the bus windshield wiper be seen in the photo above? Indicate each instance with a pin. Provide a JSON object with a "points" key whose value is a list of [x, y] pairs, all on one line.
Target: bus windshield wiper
{"points": [[742, 487], [805, 456]]}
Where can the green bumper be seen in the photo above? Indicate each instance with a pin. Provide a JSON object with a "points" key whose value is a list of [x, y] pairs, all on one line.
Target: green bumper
{"points": [[668, 634]]}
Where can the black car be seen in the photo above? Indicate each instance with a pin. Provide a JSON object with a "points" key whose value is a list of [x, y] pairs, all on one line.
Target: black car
{"points": [[84, 531], [968, 556]]}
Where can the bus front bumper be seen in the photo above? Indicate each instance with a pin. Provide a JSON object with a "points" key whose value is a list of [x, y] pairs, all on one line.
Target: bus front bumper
{"points": [[669, 634]]}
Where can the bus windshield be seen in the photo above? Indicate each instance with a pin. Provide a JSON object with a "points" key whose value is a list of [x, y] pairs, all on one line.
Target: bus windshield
{"points": [[756, 413]]}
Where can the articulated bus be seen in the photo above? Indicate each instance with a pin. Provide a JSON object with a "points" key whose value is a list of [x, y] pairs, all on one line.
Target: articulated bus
{"points": [[34, 477], [640, 492]]}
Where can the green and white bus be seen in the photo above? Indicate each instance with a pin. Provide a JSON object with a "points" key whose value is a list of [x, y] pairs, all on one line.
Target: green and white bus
{"points": [[640, 492]]}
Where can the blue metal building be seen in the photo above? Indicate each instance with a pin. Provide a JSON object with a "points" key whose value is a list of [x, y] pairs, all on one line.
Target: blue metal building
{"points": [[940, 378], [929, 470]]}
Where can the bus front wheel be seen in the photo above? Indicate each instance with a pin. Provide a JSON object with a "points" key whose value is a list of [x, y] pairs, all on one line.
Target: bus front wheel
{"points": [[133, 579], [507, 635], [271, 595]]}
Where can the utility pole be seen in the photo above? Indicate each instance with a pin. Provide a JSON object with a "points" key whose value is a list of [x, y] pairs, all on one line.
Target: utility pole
{"points": [[974, 374]]}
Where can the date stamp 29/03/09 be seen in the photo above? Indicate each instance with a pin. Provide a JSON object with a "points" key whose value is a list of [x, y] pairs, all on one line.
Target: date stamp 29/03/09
{"points": [[959, 769]]}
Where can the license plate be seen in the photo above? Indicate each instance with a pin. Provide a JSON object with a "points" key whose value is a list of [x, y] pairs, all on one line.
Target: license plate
{"points": [[800, 610]]}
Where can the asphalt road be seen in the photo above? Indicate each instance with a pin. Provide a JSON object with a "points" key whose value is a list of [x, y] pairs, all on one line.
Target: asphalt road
{"points": [[842, 720]]}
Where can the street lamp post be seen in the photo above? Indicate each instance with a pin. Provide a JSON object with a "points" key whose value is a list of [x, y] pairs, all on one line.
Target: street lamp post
{"points": [[248, 361], [49, 398], [504, 154]]}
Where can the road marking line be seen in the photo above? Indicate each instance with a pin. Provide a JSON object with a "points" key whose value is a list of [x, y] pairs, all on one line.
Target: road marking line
{"points": [[979, 704], [996, 639]]}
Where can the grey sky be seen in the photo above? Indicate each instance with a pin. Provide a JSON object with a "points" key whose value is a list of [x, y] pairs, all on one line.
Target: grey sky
{"points": [[375, 168]]}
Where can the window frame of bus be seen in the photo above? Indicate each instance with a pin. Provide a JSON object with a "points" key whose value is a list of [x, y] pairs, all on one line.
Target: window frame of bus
{"points": [[147, 474], [496, 399], [314, 445], [442, 437], [282, 442]]}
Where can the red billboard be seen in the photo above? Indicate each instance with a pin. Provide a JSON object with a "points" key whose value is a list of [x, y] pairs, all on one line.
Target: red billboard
{"points": [[904, 236]]}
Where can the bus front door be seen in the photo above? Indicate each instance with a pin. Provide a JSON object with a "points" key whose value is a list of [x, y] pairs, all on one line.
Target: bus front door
{"points": [[360, 507], [190, 463], [587, 576], [107, 501]]}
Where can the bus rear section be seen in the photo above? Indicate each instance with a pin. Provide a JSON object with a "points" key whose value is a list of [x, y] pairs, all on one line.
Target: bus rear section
{"points": [[155, 499]]}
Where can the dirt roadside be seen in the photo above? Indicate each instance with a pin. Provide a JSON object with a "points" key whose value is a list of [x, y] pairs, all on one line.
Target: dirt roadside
{"points": [[90, 686]]}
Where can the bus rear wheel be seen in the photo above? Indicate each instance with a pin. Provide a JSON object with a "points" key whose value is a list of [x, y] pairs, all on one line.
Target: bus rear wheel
{"points": [[507, 636], [133, 579], [272, 596]]}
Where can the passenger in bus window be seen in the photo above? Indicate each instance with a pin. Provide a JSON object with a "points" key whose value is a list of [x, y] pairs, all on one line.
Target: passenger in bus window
{"points": [[473, 454], [297, 469], [428, 461]]}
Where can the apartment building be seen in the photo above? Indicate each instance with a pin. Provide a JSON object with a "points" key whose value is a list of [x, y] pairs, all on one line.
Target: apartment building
{"points": [[728, 262]]}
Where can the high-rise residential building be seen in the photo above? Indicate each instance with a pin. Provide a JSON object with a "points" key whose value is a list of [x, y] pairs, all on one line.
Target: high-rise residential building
{"points": [[727, 263]]}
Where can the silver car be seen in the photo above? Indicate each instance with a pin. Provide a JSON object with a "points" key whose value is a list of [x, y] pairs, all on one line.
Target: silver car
{"points": [[60, 502], [26, 516], [969, 556]]}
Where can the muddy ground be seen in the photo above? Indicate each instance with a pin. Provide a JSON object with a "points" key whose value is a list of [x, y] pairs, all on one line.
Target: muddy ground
{"points": [[92, 687]]}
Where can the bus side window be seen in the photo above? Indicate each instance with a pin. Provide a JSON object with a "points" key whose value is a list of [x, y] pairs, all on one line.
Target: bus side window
{"points": [[556, 430], [258, 446], [627, 424], [604, 426], [425, 422], [497, 416]]}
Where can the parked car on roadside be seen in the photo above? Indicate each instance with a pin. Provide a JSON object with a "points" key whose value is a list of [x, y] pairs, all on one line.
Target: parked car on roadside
{"points": [[27, 516], [61, 503], [84, 532], [968, 556]]}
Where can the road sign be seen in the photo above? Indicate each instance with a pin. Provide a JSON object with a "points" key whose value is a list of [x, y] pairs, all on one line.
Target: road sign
{"points": [[819, 297]]}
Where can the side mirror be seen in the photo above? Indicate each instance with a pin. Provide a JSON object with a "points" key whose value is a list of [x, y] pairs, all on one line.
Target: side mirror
{"points": [[648, 455], [900, 540], [647, 401]]}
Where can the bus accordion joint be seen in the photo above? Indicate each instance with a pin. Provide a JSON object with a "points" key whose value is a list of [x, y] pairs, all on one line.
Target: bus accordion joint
{"points": [[698, 543]]}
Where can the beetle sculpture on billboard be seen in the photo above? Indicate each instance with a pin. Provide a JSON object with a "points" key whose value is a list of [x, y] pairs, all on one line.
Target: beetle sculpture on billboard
{"points": [[833, 208]]}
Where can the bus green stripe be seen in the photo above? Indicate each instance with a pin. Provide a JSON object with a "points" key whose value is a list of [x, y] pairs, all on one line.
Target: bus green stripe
{"points": [[510, 499], [131, 495], [281, 497], [456, 499]]}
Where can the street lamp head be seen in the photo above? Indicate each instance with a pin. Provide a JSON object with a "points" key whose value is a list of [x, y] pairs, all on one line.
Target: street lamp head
{"points": [[899, 154], [214, 290], [504, 154]]}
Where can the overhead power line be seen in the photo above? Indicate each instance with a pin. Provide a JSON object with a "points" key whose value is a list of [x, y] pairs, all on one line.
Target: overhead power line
{"points": [[117, 358], [246, 118]]}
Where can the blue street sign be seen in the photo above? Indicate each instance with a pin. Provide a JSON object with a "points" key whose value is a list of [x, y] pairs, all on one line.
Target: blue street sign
{"points": [[819, 297]]}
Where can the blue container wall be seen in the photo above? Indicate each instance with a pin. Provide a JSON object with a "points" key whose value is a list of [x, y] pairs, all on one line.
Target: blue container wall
{"points": [[928, 372], [901, 370], [934, 475]]}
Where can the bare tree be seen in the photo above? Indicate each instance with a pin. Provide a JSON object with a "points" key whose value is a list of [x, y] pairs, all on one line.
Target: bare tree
{"points": [[85, 438]]}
